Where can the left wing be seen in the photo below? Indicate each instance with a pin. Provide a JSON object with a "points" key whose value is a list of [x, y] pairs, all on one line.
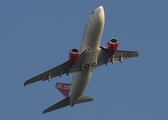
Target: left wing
{"points": [[119, 55], [59, 70]]}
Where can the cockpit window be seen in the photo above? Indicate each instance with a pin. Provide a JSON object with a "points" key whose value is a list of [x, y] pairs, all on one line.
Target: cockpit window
{"points": [[92, 12]]}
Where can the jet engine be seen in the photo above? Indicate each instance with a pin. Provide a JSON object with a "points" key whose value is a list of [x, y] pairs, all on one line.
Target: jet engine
{"points": [[112, 46], [73, 56]]}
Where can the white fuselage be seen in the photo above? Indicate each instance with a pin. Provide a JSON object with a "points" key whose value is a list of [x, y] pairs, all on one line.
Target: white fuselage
{"points": [[90, 43]]}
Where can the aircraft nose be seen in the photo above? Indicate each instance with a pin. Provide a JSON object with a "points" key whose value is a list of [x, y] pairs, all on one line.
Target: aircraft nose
{"points": [[100, 9], [99, 13]]}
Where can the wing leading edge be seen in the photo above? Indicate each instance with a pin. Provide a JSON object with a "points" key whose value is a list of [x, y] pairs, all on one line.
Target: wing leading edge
{"points": [[64, 68]]}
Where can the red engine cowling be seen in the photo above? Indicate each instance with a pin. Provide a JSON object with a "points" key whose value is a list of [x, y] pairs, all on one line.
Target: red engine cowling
{"points": [[73, 56], [112, 46]]}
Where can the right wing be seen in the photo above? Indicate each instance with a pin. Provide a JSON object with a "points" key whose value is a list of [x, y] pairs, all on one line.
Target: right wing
{"points": [[119, 55], [59, 70]]}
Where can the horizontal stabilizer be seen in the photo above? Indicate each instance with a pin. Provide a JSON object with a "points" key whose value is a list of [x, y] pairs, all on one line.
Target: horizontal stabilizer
{"points": [[63, 103], [84, 99]]}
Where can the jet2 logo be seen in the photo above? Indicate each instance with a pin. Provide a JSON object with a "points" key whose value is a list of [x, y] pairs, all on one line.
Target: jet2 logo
{"points": [[63, 86]]}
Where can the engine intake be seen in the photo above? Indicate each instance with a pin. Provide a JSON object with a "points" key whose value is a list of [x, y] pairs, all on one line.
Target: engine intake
{"points": [[73, 56], [112, 46]]}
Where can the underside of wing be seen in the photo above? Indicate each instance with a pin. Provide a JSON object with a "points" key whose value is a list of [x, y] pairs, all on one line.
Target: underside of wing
{"points": [[56, 71], [64, 68], [120, 55]]}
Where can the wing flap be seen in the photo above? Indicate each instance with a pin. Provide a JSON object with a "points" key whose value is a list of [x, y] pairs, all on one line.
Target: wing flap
{"points": [[126, 54]]}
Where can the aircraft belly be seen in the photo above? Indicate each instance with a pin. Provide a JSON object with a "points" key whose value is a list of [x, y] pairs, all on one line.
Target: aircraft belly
{"points": [[81, 79], [90, 43]]}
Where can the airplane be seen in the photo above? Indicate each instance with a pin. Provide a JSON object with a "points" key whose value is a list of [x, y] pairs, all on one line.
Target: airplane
{"points": [[82, 62]]}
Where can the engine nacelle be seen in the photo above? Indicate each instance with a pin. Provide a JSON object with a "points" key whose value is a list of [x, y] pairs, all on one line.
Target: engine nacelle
{"points": [[112, 46], [73, 56]]}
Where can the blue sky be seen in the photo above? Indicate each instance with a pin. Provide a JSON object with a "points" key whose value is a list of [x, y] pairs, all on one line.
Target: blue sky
{"points": [[38, 35]]}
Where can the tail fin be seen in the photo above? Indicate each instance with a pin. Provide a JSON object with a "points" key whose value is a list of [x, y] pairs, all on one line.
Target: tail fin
{"points": [[64, 88]]}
